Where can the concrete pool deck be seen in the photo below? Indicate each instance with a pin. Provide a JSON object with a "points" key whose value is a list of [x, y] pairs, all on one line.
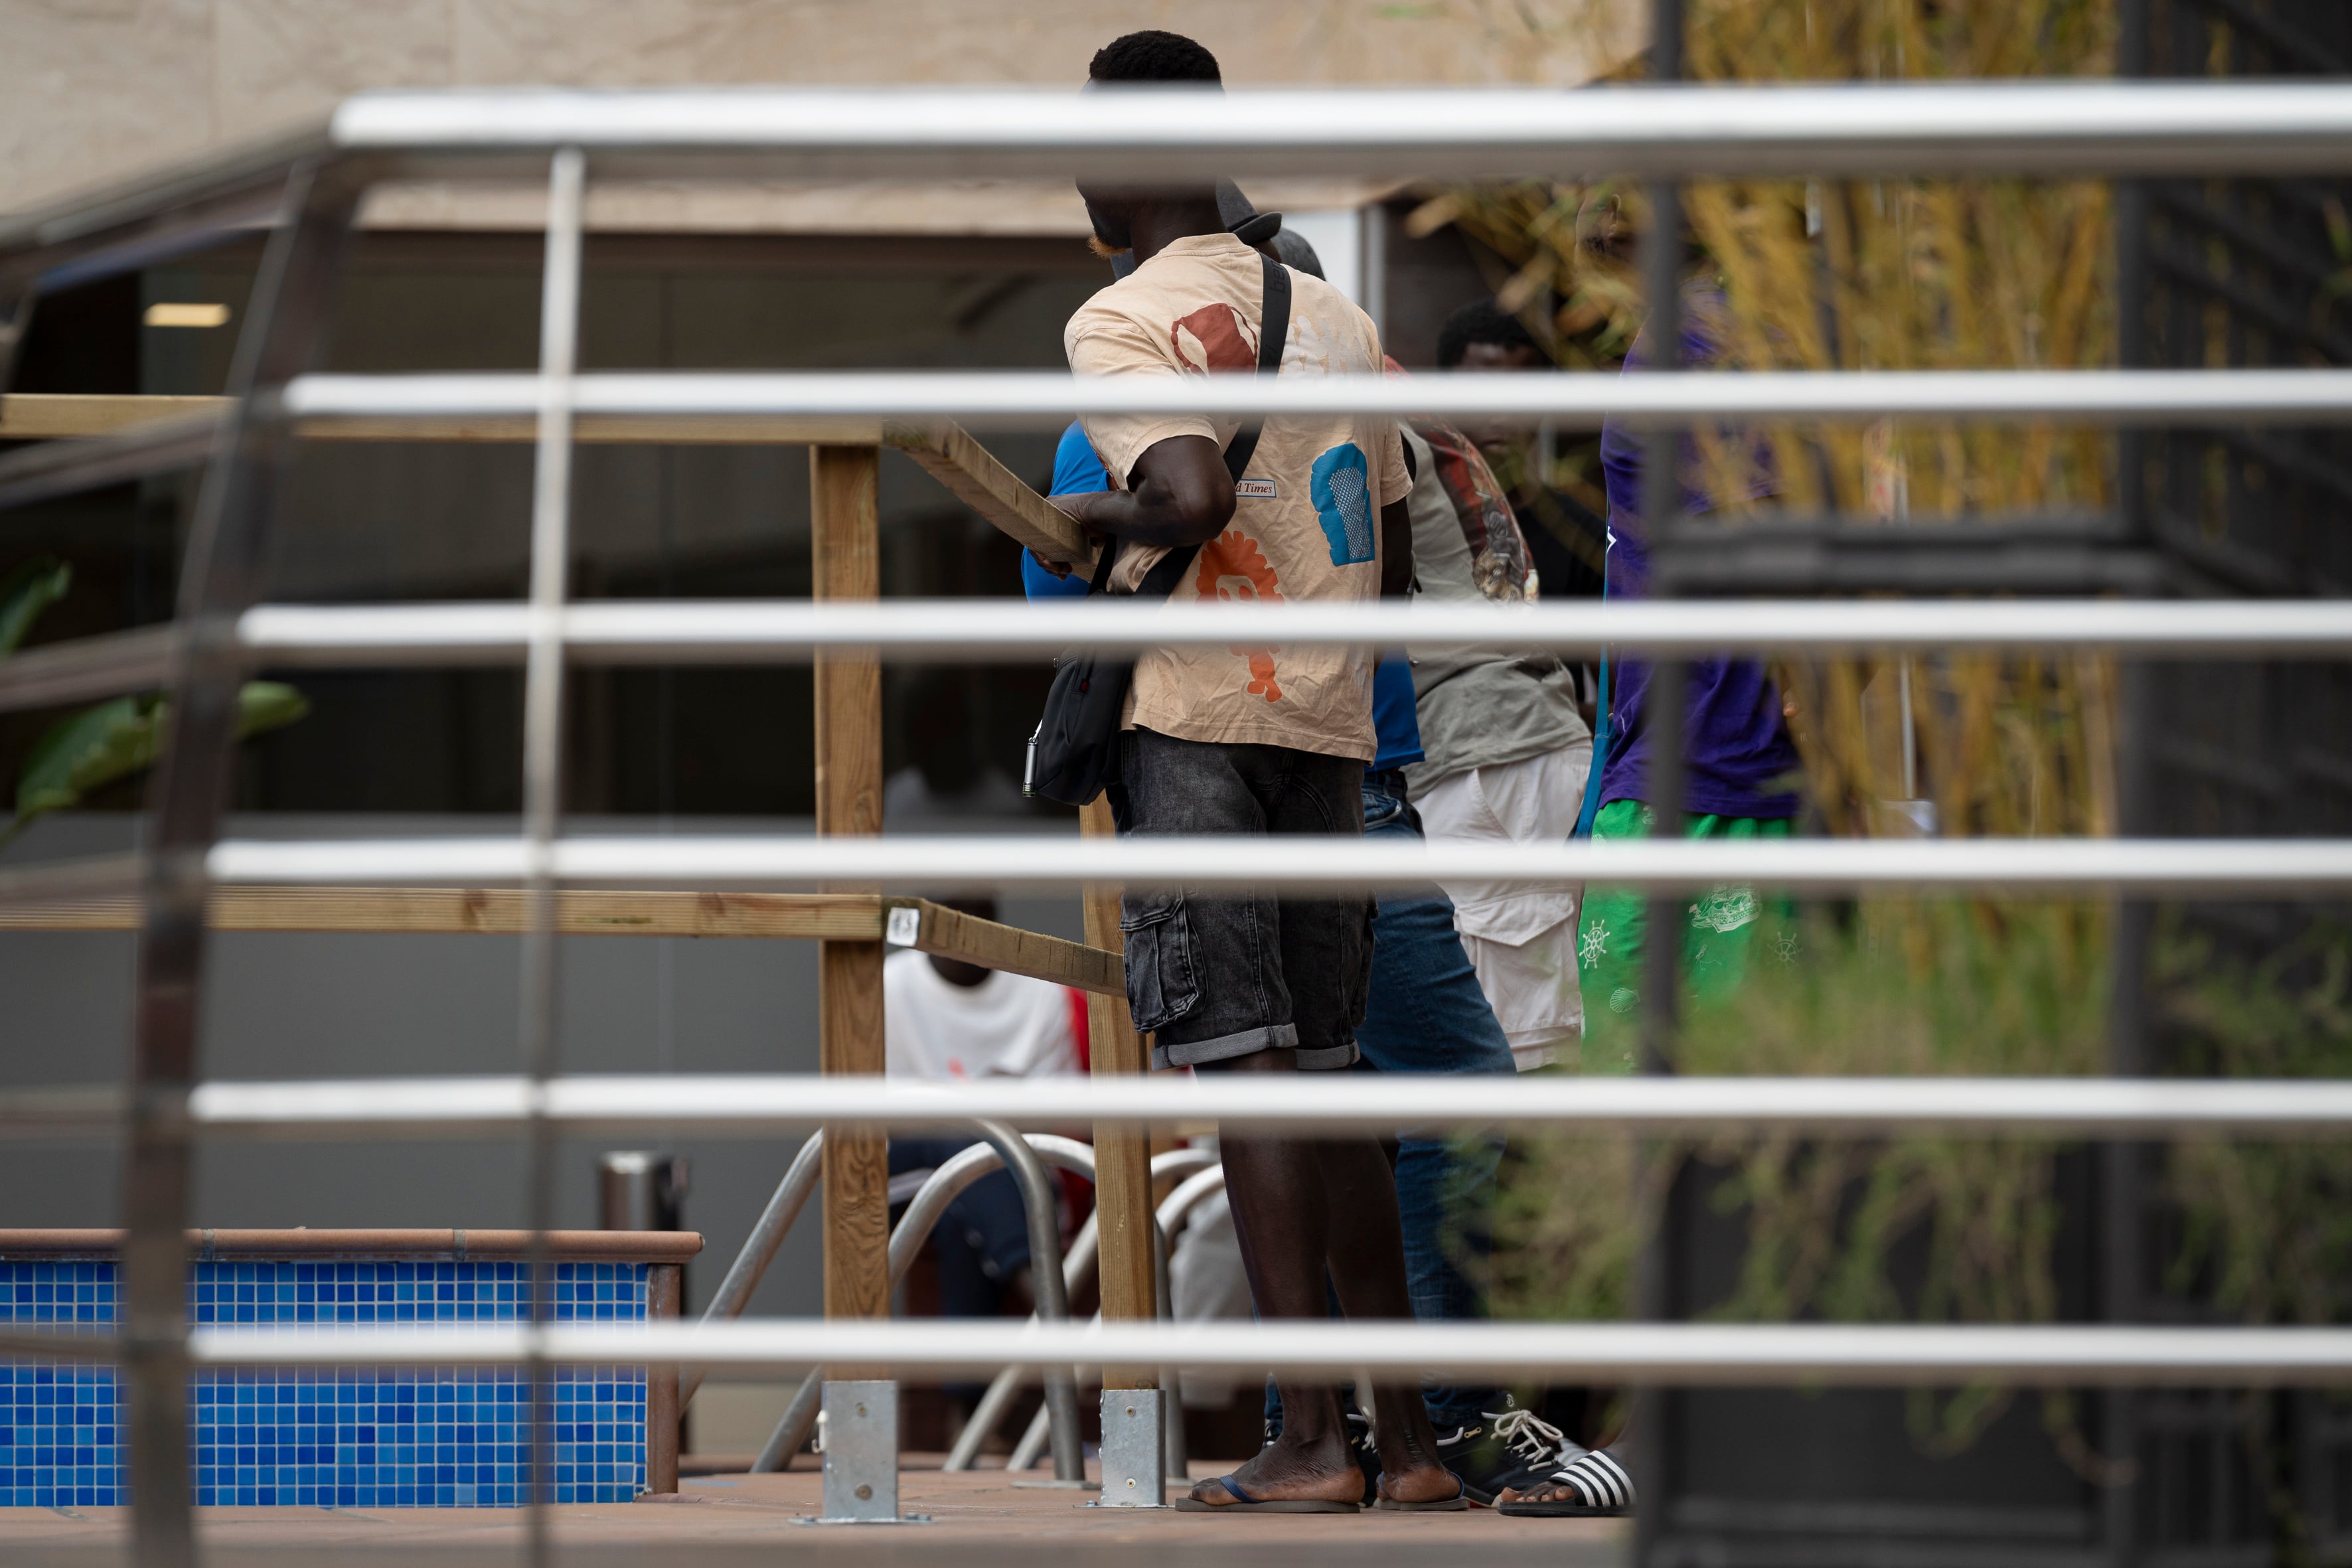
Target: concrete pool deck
{"points": [[982, 1519]]}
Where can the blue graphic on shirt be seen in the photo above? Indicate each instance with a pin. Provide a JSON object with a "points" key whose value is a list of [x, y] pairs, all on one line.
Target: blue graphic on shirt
{"points": [[1341, 489]]}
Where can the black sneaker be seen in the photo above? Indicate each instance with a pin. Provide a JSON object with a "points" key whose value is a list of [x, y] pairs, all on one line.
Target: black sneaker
{"points": [[1367, 1455], [1510, 1448]]}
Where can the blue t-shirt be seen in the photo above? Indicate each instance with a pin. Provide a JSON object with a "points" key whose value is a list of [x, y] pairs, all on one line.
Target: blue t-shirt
{"points": [[1396, 726], [1077, 471], [1737, 754]]}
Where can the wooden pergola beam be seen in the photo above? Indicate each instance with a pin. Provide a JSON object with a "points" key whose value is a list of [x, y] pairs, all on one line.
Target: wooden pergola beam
{"points": [[849, 926], [581, 911], [945, 449]]}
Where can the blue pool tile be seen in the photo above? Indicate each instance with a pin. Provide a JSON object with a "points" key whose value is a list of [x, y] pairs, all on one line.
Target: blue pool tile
{"points": [[358, 1436]]}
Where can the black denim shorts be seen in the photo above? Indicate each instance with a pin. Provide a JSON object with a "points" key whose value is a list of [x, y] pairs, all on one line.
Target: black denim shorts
{"points": [[1216, 976]]}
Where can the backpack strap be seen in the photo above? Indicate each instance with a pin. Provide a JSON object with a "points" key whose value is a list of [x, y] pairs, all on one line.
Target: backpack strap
{"points": [[1273, 332]]}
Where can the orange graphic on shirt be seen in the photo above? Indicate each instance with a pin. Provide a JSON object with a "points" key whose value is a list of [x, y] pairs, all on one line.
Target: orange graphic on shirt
{"points": [[1232, 568], [1213, 337]]}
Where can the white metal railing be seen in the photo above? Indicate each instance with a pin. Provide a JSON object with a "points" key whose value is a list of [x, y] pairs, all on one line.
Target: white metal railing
{"points": [[2038, 865], [2007, 129], [762, 1105], [1046, 400], [750, 631], [1914, 128], [744, 632], [1653, 1355]]}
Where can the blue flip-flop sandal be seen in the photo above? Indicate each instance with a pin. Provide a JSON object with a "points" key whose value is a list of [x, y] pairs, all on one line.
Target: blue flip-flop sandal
{"points": [[1245, 1503]]}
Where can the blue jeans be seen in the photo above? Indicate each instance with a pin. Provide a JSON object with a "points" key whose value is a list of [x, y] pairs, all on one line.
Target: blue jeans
{"points": [[1424, 1013]]}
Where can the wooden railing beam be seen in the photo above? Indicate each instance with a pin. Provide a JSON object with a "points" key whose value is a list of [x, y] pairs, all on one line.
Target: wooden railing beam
{"points": [[1123, 1196], [943, 448], [847, 556]]}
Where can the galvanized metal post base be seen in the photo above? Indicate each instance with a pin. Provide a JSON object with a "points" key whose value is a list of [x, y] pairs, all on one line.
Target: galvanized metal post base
{"points": [[1133, 1464], [861, 1454]]}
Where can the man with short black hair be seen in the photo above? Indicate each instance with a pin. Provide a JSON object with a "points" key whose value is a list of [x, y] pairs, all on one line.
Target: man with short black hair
{"points": [[1152, 55], [1482, 335], [1255, 739]]}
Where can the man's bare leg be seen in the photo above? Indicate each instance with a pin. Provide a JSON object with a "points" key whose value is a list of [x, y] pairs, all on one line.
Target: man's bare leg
{"points": [[1305, 1210], [1365, 1253]]}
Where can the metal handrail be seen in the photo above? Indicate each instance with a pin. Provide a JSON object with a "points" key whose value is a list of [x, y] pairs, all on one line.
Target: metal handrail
{"points": [[1175, 1211], [1033, 1441], [2057, 126], [755, 631], [1172, 1415], [762, 632], [1685, 1354], [2202, 868], [1077, 1267], [1025, 1158], [2053, 126], [1045, 400], [721, 1104], [759, 1247]]}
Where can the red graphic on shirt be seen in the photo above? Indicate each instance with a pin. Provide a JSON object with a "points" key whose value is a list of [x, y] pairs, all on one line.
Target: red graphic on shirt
{"points": [[1213, 337], [1232, 568]]}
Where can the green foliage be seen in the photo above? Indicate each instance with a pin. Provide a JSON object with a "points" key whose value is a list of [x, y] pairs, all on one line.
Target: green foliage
{"points": [[1946, 1229], [24, 593], [113, 740], [88, 750], [2267, 1227], [92, 749], [1911, 988]]}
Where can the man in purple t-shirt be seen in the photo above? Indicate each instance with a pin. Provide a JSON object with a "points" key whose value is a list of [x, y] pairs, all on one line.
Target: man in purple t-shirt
{"points": [[1739, 768]]}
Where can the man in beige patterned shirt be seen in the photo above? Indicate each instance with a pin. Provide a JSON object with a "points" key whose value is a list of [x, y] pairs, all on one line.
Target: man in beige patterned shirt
{"points": [[1256, 740]]}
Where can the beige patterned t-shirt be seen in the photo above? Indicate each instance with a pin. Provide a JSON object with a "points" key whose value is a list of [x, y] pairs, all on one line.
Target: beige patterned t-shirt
{"points": [[1307, 512]]}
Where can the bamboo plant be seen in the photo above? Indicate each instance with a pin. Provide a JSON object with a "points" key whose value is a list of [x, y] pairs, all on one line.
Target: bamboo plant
{"points": [[1917, 275]]}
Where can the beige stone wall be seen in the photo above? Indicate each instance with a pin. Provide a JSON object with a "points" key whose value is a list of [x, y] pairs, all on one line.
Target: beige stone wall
{"points": [[93, 89]]}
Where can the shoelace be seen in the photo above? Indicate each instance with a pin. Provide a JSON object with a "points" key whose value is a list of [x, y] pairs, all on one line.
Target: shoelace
{"points": [[1526, 1434]]}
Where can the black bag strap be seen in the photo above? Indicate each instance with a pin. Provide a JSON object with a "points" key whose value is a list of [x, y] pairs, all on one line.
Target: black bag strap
{"points": [[1103, 564], [1273, 332]]}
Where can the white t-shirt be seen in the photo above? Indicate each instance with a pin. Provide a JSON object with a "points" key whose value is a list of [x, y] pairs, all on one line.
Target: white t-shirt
{"points": [[1008, 1026]]}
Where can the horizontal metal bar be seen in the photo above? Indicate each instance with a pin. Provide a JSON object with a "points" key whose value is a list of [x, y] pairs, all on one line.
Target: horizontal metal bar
{"points": [[1990, 128], [751, 631], [69, 1111], [1731, 564], [2007, 553], [1676, 1355], [2069, 126], [86, 463], [107, 665], [1046, 400], [156, 215], [760, 1105], [2202, 868], [741, 631], [747, 631], [70, 881], [43, 1344], [2054, 126]]}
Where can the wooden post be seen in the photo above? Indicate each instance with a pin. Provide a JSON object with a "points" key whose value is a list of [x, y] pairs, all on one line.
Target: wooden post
{"points": [[1122, 1154], [662, 1286], [846, 548]]}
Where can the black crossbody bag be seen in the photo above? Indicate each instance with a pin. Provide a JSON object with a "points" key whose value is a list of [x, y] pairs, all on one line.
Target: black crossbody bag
{"points": [[1073, 753]]}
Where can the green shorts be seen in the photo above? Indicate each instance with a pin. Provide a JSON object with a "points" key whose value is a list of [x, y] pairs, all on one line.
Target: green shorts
{"points": [[1727, 925]]}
